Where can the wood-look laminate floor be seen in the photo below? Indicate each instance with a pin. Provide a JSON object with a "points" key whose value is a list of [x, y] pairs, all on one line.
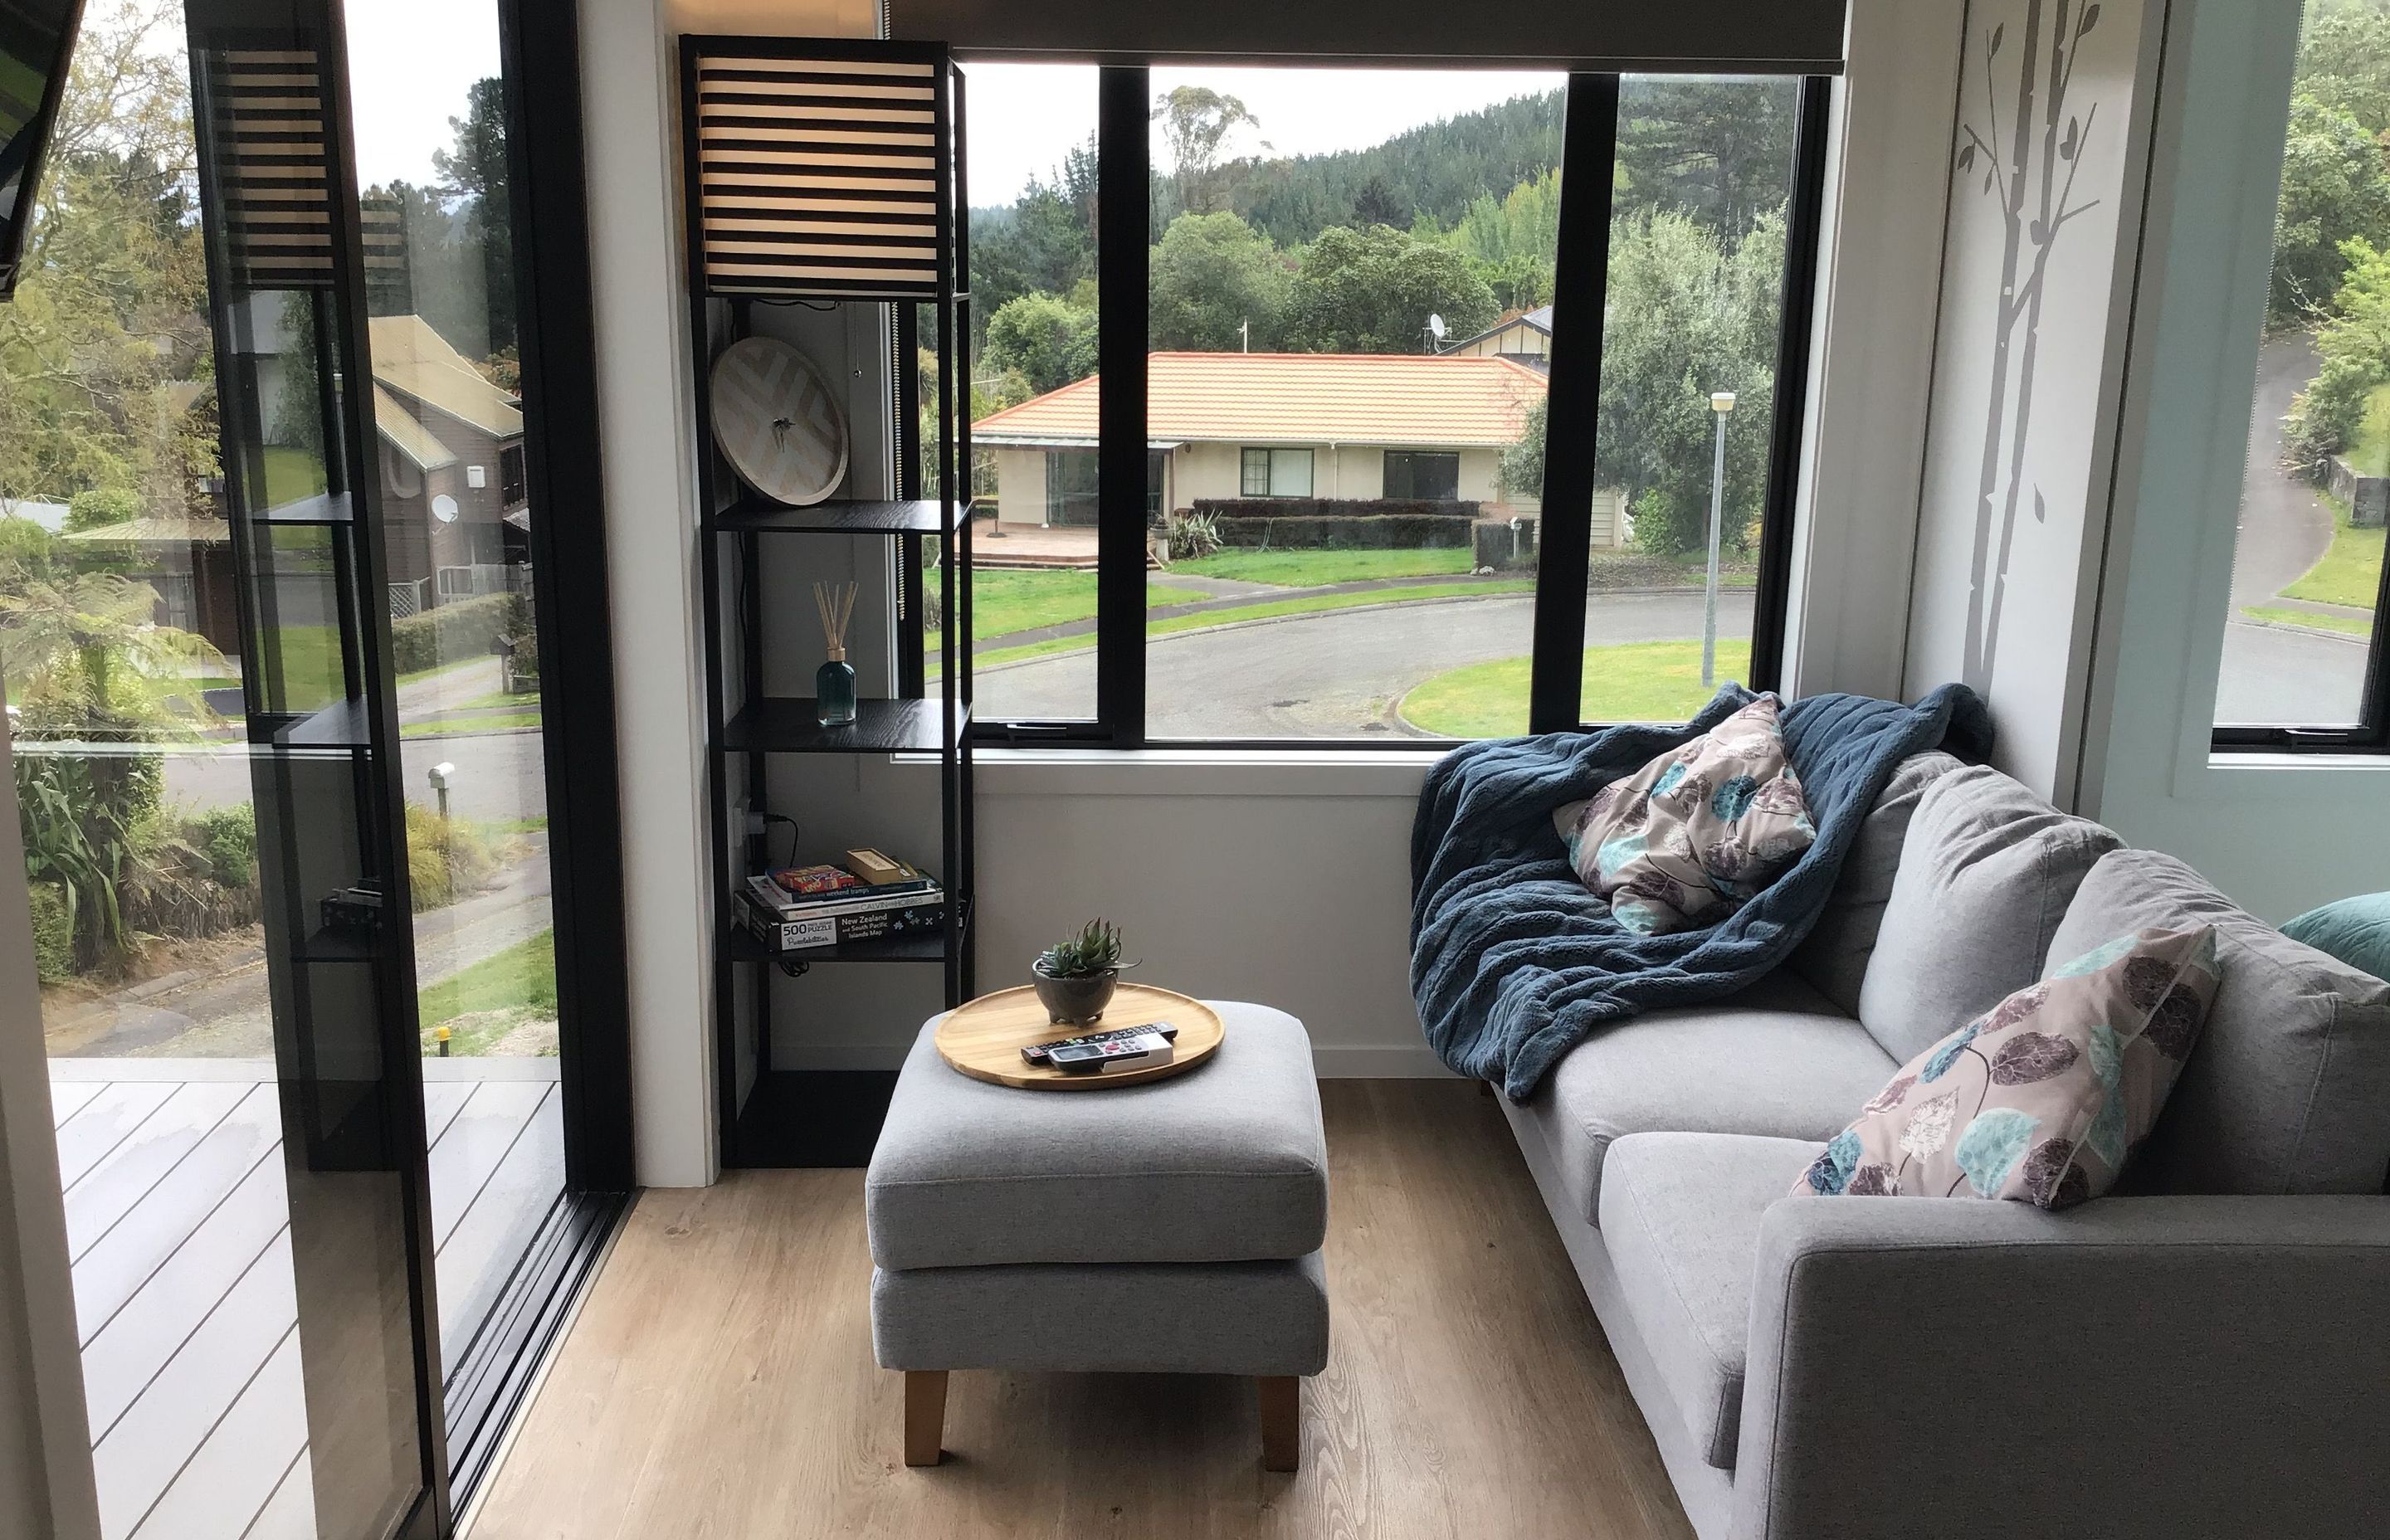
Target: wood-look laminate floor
{"points": [[719, 1380]]}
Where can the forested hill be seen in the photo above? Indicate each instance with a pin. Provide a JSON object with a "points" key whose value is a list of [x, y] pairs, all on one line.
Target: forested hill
{"points": [[1436, 170]]}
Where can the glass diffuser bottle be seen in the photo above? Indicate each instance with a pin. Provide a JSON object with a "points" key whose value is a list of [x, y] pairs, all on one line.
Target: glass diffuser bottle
{"points": [[834, 682]]}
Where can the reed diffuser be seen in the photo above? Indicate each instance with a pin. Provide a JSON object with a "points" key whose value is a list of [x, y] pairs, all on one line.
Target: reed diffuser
{"points": [[834, 685]]}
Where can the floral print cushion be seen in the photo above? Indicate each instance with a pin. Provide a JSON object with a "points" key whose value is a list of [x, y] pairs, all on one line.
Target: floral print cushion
{"points": [[1690, 836], [2043, 1097]]}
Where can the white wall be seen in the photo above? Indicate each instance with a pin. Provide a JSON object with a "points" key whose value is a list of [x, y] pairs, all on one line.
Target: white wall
{"points": [[46, 1475], [1282, 880], [1872, 347], [643, 383], [2028, 365], [2279, 833]]}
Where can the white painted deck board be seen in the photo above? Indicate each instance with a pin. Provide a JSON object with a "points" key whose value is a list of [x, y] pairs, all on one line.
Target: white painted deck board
{"points": [[230, 1477], [289, 1514], [110, 1190], [493, 1232], [179, 1220], [67, 1098], [182, 1411], [105, 1121]]}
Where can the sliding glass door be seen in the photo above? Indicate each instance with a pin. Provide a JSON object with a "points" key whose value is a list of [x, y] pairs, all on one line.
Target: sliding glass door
{"points": [[320, 821]]}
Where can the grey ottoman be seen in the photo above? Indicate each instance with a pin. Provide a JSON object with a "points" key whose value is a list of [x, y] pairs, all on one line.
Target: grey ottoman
{"points": [[1176, 1224]]}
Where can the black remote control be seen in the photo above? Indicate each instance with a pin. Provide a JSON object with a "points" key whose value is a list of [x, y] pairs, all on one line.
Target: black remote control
{"points": [[1037, 1053]]}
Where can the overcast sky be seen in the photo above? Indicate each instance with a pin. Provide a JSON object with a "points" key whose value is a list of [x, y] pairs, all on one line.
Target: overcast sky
{"points": [[411, 63], [1023, 117]]}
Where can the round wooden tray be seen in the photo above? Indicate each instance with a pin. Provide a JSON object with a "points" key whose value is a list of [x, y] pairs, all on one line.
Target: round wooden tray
{"points": [[984, 1038]]}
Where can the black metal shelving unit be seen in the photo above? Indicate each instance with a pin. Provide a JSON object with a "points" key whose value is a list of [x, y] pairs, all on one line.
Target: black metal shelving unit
{"points": [[829, 173]]}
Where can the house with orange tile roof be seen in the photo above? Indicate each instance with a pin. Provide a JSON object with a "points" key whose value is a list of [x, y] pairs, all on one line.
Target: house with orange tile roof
{"points": [[1344, 426]]}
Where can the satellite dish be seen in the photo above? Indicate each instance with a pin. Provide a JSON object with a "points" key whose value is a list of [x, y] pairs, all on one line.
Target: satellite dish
{"points": [[1436, 327], [443, 508]]}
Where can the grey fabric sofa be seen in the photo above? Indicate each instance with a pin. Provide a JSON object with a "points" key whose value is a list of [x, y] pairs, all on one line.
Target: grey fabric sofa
{"points": [[2205, 1352]]}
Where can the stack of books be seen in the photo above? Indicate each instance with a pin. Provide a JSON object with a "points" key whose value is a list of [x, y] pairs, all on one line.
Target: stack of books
{"points": [[801, 908]]}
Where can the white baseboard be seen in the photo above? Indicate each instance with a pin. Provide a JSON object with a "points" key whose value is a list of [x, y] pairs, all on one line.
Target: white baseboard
{"points": [[1330, 1061]]}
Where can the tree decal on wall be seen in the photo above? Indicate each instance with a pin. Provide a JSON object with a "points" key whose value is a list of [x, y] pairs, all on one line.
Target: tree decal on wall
{"points": [[2043, 172]]}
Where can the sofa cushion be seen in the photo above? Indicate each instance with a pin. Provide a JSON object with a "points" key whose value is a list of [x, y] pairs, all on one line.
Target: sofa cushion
{"points": [[2356, 930], [1680, 1218], [1985, 875], [1834, 956], [2289, 1088], [2041, 1100], [1697, 831], [1777, 1059], [1224, 1164]]}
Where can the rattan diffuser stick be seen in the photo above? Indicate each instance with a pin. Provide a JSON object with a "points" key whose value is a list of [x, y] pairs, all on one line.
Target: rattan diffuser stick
{"points": [[836, 605]]}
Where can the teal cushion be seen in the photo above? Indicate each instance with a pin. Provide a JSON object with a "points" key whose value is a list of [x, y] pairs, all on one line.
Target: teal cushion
{"points": [[2356, 930]]}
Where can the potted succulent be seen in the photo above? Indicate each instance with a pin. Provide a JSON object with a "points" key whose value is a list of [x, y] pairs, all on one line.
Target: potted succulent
{"points": [[1075, 977]]}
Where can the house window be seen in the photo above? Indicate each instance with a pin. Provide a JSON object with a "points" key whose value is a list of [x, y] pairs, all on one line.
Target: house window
{"points": [[1230, 294], [2305, 663], [1429, 475], [1277, 473], [1071, 487], [511, 488]]}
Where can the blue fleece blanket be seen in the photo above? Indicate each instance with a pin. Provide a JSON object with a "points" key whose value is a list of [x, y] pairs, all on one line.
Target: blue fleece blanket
{"points": [[1513, 959]]}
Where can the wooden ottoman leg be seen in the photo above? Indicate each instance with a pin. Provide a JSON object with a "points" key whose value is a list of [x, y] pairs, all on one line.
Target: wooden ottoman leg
{"points": [[925, 1415], [1282, 1422]]}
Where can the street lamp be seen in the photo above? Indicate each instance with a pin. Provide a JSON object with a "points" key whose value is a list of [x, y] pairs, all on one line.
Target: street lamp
{"points": [[1721, 403]]}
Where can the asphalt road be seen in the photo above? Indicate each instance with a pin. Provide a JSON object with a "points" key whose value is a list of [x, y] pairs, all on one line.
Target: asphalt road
{"points": [[1333, 674], [498, 775]]}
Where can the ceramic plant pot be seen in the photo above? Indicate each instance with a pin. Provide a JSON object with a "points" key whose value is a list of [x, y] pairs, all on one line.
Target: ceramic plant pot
{"points": [[1074, 1001]]}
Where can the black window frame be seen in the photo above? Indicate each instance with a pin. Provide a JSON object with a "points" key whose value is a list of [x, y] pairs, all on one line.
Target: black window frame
{"points": [[1123, 238], [2368, 735]]}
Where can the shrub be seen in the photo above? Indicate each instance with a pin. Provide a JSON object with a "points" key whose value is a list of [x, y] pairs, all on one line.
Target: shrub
{"points": [[1346, 532], [446, 858], [226, 838], [91, 509], [83, 816], [54, 949], [460, 629], [1190, 537]]}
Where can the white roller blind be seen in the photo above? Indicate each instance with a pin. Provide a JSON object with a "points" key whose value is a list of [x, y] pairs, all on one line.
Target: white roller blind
{"points": [[1698, 36]]}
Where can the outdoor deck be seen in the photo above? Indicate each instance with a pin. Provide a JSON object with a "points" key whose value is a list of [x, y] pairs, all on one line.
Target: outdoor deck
{"points": [[180, 1234]]}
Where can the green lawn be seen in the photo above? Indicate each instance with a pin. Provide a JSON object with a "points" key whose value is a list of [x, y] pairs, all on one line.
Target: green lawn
{"points": [[2273, 614], [1634, 682], [1314, 569], [437, 725], [500, 992], [292, 474], [2350, 571], [2368, 449]]}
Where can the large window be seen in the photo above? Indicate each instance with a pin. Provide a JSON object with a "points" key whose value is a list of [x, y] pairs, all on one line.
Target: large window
{"points": [[1430, 475], [1417, 469], [2304, 646], [1277, 473]]}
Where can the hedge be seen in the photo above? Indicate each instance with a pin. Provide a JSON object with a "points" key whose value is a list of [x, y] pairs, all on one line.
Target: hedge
{"points": [[461, 628], [1228, 508], [1397, 533]]}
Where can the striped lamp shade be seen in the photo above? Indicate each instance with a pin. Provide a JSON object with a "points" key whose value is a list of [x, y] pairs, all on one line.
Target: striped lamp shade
{"points": [[824, 175], [265, 121]]}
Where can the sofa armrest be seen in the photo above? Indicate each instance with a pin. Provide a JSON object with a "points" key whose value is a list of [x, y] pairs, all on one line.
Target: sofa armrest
{"points": [[2157, 1367]]}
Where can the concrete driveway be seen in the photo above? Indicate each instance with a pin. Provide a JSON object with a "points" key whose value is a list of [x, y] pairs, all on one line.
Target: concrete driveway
{"points": [[2285, 528]]}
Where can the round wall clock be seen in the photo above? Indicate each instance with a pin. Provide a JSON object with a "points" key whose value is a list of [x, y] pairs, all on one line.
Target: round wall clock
{"points": [[777, 422]]}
